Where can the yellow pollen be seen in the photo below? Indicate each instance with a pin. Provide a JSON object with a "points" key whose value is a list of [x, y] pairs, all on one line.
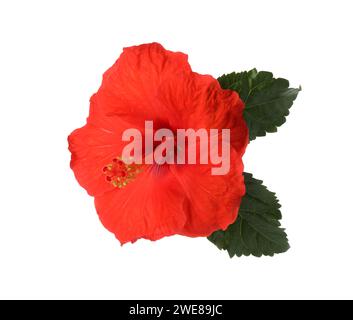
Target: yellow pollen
{"points": [[119, 173]]}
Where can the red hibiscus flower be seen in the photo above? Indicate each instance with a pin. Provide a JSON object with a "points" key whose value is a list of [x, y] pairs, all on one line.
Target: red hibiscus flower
{"points": [[137, 201]]}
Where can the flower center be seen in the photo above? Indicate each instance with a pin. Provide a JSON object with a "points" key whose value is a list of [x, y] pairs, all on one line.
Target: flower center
{"points": [[119, 173]]}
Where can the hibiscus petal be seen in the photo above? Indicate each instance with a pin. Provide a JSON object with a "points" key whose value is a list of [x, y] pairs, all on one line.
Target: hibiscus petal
{"points": [[93, 147], [130, 86], [149, 207], [213, 200], [197, 101]]}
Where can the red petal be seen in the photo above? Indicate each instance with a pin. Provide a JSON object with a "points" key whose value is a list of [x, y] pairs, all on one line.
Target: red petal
{"points": [[130, 86], [150, 207], [213, 201], [198, 101], [93, 147]]}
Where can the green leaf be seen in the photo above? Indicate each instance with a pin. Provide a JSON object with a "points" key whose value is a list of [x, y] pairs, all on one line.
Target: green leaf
{"points": [[257, 229], [267, 99]]}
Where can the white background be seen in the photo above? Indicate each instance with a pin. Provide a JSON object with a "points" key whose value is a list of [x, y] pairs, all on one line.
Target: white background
{"points": [[52, 56]]}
